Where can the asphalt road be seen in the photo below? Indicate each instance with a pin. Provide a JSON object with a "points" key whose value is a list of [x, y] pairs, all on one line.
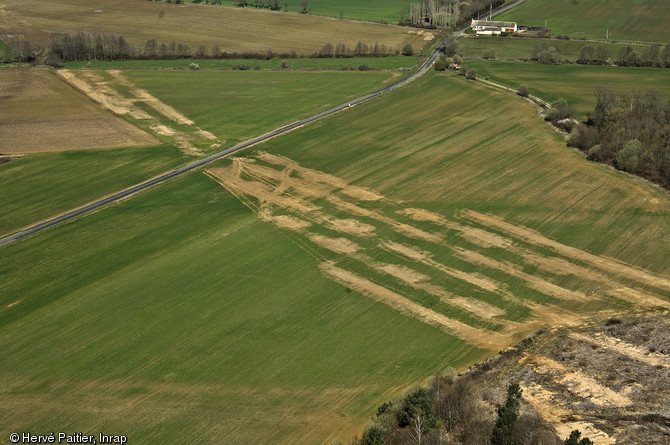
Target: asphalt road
{"points": [[202, 162]]}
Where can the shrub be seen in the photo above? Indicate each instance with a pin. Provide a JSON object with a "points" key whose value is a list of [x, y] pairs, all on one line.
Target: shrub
{"points": [[364, 67], [242, 67], [284, 65], [440, 65], [574, 439], [558, 111], [471, 74], [373, 436], [194, 66], [629, 157], [523, 91], [407, 50], [489, 54]]}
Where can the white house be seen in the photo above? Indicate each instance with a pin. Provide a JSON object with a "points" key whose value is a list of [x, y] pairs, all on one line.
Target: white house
{"points": [[488, 27]]}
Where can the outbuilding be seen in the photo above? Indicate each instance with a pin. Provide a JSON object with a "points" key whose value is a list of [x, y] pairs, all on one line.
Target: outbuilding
{"points": [[489, 27]]}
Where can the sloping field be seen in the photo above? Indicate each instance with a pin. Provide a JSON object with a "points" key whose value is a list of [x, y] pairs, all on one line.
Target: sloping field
{"points": [[642, 19], [234, 105], [311, 278], [574, 83], [180, 317], [41, 113], [232, 29]]}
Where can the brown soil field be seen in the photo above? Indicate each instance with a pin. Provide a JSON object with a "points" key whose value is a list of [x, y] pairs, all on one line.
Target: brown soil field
{"points": [[233, 29], [39, 113]]}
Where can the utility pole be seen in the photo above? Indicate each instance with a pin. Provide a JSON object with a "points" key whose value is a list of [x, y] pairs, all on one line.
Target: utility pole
{"points": [[607, 35], [490, 11]]}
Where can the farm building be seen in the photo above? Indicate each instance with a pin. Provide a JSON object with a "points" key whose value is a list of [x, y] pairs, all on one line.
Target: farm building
{"points": [[491, 27]]}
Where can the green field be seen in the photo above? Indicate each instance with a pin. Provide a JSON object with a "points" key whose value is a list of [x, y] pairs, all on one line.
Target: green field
{"points": [[6, 53], [626, 20], [574, 83], [386, 242], [232, 29], [522, 48], [383, 63], [239, 105], [39, 186], [180, 317]]}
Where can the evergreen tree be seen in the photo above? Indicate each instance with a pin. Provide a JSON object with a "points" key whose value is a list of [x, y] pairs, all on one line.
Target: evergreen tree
{"points": [[508, 415]]}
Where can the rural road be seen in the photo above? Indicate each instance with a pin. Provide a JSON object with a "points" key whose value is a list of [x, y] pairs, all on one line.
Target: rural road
{"points": [[202, 162]]}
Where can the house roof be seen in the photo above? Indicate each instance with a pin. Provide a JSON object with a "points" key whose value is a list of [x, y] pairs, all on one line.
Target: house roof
{"points": [[489, 23]]}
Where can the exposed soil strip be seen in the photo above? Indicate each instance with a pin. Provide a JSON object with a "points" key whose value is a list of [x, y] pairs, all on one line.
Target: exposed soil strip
{"points": [[152, 101], [604, 263], [532, 281], [577, 383], [546, 404], [479, 237], [100, 90], [631, 351], [475, 337], [556, 266], [414, 253], [419, 281]]}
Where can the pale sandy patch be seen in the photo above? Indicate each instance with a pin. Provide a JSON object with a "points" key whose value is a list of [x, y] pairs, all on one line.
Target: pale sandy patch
{"points": [[634, 352], [403, 273], [350, 226], [546, 403], [339, 245], [289, 222], [576, 382]]}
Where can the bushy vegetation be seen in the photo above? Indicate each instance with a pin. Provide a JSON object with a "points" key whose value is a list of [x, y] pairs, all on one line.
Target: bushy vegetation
{"points": [[451, 410], [544, 53], [629, 130]]}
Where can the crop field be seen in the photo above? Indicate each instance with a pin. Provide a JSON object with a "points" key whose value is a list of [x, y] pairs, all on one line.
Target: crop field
{"points": [[238, 105], [158, 322], [39, 186], [397, 238], [522, 48], [36, 187], [383, 63], [41, 113], [641, 19], [232, 29], [574, 83]]}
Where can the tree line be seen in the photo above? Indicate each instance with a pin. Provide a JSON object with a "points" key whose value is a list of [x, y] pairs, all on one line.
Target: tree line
{"points": [[653, 55], [445, 12], [86, 46], [630, 131]]}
